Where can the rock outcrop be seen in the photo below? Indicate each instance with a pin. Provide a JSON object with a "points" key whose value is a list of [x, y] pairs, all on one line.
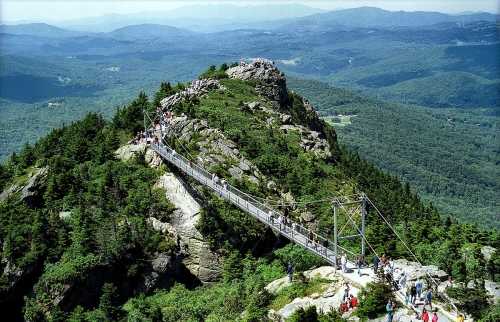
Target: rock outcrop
{"points": [[493, 289], [214, 148], [416, 271], [271, 81], [328, 298], [198, 258], [30, 189], [131, 151], [310, 141], [198, 87]]}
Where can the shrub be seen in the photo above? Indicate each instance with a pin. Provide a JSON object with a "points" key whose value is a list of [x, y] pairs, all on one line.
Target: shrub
{"points": [[474, 301], [307, 315], [213, 72], [372, 300], [298, 256], [493, 314]]}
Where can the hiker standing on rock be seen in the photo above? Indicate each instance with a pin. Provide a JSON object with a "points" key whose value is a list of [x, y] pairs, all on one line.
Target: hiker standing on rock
{"points": [[413, 293], [419, 285], [343, 262], [289, 271], [425, 315], [360, 263], [390, 310], [346, 292], [376, 261], [428, 298]]}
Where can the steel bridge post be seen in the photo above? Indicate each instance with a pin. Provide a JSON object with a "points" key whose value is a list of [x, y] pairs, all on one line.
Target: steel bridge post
{"points": [[335, 237], [363, 219]]}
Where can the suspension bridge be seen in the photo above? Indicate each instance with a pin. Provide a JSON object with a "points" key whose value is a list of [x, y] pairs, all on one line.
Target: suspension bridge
{"points": [[319, 245]]}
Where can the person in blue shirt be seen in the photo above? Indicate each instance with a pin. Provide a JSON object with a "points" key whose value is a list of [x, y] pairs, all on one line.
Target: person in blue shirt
{"points": [[419, 286], [390, 310], [428, 298]]}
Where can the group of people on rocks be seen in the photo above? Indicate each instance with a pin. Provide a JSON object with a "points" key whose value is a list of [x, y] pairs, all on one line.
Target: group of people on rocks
{"points": [[425, 316], [349, 301], [153, 134]]}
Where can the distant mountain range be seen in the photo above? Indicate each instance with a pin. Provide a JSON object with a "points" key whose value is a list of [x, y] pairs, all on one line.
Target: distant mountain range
{"points": [[395, 55], [213, 18], [149, 31], [366, 17], [201, 18], [39, 29]]}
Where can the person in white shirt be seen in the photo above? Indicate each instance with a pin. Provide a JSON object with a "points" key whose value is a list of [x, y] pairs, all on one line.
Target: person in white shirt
{"points": [[343, 263]]}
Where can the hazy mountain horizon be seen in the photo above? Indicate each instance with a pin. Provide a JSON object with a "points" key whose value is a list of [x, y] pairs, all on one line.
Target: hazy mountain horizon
{"points": [[213, 18]]}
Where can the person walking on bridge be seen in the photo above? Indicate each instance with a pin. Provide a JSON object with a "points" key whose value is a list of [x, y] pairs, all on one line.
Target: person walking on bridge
{"points": [[435, 317]]}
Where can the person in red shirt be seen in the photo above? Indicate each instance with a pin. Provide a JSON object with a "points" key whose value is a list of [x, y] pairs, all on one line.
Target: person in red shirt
{"points": [[425, 316], [354, 301], [343, 307]]}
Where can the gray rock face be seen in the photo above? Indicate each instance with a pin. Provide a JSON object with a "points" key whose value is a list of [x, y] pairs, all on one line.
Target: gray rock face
{"points": [[198, 88], [214, 147], [328, 299], [416, 271], [130, 151], [162, 263], [487, 252], [272, 82], [11, 272], [198, 258], [310, 140], [493, 290], [31, 188]]}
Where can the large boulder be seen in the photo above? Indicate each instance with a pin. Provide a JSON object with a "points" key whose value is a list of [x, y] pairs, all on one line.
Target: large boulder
{"points": [[328, 299], [271, 81], [493, 289], [487, 252], [130, 151], [416, 271]]}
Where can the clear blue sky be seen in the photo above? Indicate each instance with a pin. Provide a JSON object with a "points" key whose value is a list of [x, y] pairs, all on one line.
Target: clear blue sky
{"points": [[60, 10]]}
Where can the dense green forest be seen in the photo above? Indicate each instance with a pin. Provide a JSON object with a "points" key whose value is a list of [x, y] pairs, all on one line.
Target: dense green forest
{"points": [[102, 249], [450, 156]]}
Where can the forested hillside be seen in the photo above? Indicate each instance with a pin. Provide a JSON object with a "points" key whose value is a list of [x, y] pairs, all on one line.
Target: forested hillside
{"points": [[450, 156], [79, 244]]}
